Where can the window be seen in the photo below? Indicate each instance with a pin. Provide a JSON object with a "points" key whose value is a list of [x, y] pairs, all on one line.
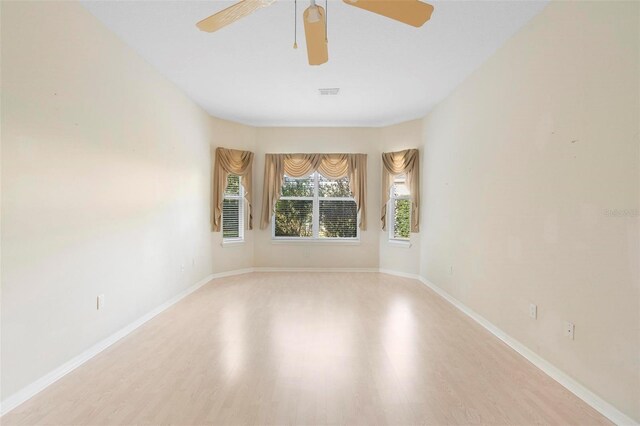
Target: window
{"points": [[399, 210], [233, 210], [316, 208]]}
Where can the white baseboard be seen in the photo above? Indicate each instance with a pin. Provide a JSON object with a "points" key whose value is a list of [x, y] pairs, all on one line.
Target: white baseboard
{"points": [[268, 269], [399, 274], [230, 273], [576, 388], [34, 388], [602, 406]]}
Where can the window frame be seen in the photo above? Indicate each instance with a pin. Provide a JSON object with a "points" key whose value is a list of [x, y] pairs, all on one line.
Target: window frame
{"points": [[391, 212], [241, 208], [315, 218]]}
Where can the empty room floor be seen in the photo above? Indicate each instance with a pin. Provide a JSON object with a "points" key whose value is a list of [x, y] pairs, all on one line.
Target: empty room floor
{"points": [[308, 348]]}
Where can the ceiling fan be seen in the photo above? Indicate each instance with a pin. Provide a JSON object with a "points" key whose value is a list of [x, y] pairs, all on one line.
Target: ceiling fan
{"points": [[411, 12]]}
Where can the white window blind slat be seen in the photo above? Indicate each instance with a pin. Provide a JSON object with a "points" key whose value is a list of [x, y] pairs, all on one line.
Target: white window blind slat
{"points": [[338, 219], [294, 218], [233, 210]]}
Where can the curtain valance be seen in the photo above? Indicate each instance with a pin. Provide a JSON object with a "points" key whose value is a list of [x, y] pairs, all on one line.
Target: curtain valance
{"points": [[236, 162], [406, 163], [332, 166]]}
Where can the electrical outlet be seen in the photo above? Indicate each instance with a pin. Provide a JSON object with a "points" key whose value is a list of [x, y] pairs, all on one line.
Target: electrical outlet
{"points": [[533, 310], [569, 329], [100, 302], [182, 267], [451, 270], [193, 261]]}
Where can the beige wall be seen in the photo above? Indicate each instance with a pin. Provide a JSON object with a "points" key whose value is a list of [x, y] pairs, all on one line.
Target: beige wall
{"points": [[105, 187], [522, 163]]}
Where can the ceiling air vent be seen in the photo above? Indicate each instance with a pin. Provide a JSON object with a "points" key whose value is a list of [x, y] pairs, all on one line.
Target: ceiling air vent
{"points": [[329, 91]]}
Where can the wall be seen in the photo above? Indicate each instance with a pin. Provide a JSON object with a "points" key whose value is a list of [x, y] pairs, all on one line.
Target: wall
{"points": [[325, 255], [524, 164], [106, 172]]}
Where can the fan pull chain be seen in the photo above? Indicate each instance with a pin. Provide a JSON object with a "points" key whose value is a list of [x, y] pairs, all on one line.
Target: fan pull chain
{"points": [[295, 24], [326, 21]]}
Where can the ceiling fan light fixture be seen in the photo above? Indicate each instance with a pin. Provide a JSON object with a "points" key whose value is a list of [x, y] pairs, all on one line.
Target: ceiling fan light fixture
{"points": [[410, 12], [314, 14], [315, 31]]}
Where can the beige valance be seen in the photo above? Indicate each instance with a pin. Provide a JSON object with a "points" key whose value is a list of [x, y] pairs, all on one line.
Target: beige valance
{"points": [[231, 161], [406, 163], [332, 166]]}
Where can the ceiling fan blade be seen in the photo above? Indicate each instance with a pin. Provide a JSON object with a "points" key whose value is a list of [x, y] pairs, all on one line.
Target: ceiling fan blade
{"points": [[231, 14], [315, 34], [411, 12]]}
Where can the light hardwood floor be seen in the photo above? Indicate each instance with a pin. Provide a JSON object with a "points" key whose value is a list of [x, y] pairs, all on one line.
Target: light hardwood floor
{"points": [[308, 348]]}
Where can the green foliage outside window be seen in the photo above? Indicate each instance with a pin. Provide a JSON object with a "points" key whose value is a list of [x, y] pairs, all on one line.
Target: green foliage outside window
{"points": [[402, 225], [333, 188], [298, 187], [294, 218], [337, 218], [233, 185]]}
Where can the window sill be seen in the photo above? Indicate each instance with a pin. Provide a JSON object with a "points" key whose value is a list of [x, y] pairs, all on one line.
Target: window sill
{"points": [[232, 243], [400, 243], [313, 242]]}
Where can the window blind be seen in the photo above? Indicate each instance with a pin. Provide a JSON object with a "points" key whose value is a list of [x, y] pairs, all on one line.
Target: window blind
{"points": [[294, 218], [338, 219], [315, 207], [233, 209]]}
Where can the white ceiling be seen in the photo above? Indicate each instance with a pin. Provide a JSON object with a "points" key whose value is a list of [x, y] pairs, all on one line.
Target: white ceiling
{"points": [[248, 72]]}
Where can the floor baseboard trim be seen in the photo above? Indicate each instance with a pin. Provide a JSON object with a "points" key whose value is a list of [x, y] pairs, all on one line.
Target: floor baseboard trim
{"points": [[399, 274], [231, 273], [39, 385], [269, 269], [599, 404]]}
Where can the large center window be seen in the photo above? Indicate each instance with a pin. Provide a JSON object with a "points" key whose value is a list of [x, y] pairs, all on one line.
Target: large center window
{"points": [[316, 208]]}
